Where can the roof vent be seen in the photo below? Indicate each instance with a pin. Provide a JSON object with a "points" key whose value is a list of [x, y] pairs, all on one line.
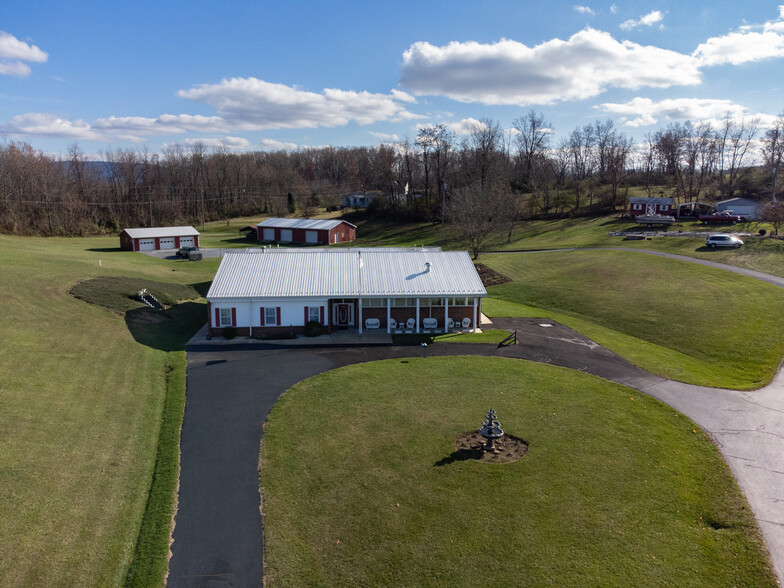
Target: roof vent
{"points": [[428, 265]]}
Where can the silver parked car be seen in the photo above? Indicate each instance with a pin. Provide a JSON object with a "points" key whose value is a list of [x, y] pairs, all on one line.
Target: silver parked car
{"points": [[719, 240]]}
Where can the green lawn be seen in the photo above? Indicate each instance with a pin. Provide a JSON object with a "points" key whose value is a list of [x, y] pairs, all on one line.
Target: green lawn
{"points": [[361, 486], [81, 405], [683, 321]]}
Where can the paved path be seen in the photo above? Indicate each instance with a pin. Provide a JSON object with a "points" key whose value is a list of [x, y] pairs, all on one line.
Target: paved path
{"points": [[218, 538]]}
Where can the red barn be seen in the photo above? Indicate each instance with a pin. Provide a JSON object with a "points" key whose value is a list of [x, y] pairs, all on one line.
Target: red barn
{"points": [[156, 238], [303, 230]]}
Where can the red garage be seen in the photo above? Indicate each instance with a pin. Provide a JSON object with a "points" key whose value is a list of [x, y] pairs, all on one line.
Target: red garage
{"points": [[156, 238], [303, 230]]}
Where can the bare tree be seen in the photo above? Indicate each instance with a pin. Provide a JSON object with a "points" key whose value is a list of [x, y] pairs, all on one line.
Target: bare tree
{"points": [[734, 140], [773, 213], [532, 141], [476, 212], [773, 150]]}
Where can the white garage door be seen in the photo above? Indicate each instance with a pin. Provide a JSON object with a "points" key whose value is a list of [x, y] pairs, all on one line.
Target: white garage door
{"points": [[269, 235], [186, 241], [311, 236], [146, 244], [167, 243], [285, 235]]}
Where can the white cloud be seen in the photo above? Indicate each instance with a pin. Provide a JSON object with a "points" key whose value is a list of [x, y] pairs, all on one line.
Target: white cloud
{"points": [[750, 43], [583, 9], [647, 20], [509, 72], [251, 103], [41, 124], [640, 112], [385, 136], [14, 53], [166, 124], [613, 9], [274, 145]]}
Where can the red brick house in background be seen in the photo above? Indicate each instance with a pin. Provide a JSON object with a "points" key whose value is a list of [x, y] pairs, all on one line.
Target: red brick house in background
{"points": [[303, 230], [640, 205], [156, 238]]}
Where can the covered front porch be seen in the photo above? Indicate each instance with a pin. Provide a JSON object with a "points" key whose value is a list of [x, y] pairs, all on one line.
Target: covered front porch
{"points": [[406, 315]]}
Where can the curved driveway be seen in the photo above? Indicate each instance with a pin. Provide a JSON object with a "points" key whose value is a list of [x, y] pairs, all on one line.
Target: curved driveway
{"points": [[231, 389]]}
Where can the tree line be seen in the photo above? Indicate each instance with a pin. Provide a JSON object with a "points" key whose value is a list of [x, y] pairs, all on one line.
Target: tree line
{"points": [[506, 174]]}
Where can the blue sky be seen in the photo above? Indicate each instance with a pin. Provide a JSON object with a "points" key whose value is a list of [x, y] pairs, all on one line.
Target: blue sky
{"points": [[267, 75]]}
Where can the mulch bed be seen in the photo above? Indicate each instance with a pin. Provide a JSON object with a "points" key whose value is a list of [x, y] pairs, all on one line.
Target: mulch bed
{"points": [[471, 446], [490, 277]]}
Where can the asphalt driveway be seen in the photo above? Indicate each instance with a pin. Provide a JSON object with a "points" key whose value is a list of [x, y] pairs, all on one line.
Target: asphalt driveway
{"points": [[231, 389]]}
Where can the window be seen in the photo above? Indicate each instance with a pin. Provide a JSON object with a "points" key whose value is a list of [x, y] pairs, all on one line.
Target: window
{"points": [[374, 302], [461, 302], [636, 206], [225, 317], [270, 316], [314, 313]]}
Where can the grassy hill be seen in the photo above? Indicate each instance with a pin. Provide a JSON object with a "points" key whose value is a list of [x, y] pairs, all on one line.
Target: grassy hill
{"points": [[81, 404]]}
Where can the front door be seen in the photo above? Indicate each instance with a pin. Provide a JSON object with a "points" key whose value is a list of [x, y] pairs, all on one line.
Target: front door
{"points": [[344, 314]]}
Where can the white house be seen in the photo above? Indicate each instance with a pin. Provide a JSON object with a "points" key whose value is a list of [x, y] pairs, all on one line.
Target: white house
{"points": [[279, 290], [744, 207]]}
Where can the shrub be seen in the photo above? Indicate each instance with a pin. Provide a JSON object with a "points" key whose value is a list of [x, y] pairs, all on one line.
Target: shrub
{"points": [[313, 329], [229, 332]]}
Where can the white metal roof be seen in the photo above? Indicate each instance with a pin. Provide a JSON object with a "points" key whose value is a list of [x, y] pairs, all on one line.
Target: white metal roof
{"points": [[337, 273], [302, 223], [161, 232]]}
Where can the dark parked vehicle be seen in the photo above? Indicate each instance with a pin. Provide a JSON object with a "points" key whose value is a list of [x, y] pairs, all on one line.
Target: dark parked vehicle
{"points": [[720, 217], [186, 251]]}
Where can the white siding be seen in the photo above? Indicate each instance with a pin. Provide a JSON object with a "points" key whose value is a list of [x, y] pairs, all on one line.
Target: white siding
{"points": [[292, 312]]}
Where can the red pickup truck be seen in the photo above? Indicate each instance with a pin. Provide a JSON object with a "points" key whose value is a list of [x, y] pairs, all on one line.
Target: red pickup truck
{"points": [[720, 217]]}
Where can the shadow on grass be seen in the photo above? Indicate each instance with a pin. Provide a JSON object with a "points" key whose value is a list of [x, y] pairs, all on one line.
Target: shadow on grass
{"points": [[460, 455], [202, 288], [167, 330]]}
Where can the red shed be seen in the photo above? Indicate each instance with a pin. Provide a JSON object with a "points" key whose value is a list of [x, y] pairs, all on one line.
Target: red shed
{"points": [[303, 230], [156, 238], [650, 206]]}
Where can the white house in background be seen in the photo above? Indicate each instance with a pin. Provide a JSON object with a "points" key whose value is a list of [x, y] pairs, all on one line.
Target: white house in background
{"points": [[154, 238], [744, 207], [278, 291], [359, 199]]}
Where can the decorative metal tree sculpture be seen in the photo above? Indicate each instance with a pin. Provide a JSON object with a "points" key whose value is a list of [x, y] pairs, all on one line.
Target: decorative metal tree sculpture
{"points": [[490, 430]]}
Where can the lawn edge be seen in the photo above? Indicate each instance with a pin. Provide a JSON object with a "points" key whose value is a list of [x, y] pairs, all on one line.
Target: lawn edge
{"points": [[149, 565]]}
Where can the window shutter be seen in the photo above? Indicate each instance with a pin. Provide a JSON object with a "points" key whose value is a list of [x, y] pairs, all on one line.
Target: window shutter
{"points": [[261, 312], [233, 317], [278, 313], [217, 317], [306, 315], [322, 315]]}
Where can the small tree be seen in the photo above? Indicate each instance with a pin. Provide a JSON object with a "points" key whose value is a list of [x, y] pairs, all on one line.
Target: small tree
{"points": [[773, 213], [476, 212]]}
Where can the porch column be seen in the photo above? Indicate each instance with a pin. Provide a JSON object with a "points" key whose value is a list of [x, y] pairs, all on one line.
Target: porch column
{"points": [[417, 316], [474, 329], [360, 315], [389, 314], [446, 315]]}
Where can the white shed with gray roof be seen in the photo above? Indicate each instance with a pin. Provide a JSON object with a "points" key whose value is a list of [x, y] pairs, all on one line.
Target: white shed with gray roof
{"points": [[395, 290]]}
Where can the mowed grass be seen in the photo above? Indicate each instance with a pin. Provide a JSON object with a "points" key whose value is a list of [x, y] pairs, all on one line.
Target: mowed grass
{"points": [[684, 321], [81, 407], [361, 487]]}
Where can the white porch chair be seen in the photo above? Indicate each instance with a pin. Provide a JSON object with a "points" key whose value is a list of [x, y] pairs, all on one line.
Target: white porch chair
{"points": [[466, 323]]}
